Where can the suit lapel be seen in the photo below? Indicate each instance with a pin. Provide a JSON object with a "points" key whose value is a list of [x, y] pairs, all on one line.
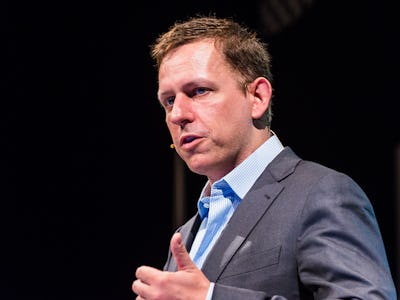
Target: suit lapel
{"points": [[253, 206], [246, 216]]}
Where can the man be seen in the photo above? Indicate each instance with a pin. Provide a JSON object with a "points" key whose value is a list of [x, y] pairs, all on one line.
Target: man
{"points": [[270, 225]]}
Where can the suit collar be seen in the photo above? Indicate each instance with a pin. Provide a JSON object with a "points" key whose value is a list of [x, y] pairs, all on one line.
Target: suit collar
{"points": [[254, 205]]}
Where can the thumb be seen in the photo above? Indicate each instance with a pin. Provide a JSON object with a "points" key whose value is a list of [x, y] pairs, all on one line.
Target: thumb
{"points": [[180, 254]]}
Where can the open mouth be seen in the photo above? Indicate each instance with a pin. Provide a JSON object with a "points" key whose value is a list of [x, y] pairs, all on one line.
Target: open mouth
{"points": [[188, 139]]}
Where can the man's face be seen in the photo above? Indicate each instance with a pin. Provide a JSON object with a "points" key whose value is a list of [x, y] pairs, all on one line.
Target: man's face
{"points": [[207, 112]]}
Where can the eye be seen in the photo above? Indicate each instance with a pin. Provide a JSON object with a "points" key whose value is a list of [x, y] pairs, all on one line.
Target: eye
{"points": [[169, 101], [199, 91]]}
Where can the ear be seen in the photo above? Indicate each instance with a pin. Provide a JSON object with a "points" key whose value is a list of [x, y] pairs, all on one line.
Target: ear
{"points": [[261, 91]]}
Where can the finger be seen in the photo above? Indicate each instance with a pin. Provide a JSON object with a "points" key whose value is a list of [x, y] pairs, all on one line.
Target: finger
{"points": [[137, 287], [145, 273], [178, 249]]}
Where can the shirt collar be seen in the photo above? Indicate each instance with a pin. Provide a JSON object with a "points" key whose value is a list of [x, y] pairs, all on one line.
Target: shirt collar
{"points": [[242, 178]]}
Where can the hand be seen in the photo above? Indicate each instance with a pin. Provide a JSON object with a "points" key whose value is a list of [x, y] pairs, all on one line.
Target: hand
{"points": [[186, 283]]}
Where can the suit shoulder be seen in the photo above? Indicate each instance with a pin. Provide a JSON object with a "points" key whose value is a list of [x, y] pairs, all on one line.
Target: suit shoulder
{"points": [[308, 170]]}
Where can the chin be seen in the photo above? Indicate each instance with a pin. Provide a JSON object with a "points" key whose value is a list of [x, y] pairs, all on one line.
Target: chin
{"points": [[198, 167]]}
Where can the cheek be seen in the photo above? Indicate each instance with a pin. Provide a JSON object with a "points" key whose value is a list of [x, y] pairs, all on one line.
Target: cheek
{"points": [[229, 123], [236, 114], [227, 114], [172, 128]]}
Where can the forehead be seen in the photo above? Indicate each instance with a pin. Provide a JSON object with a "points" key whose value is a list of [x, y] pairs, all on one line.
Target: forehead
{"points": [[194, 51], [196, 57]]}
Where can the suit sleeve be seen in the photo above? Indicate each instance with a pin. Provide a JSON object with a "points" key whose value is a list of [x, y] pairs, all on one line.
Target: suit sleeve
{"points": [[341, 253]]}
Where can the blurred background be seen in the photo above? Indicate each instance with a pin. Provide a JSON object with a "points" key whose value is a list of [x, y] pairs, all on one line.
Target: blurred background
{"points": [[88, 180]]}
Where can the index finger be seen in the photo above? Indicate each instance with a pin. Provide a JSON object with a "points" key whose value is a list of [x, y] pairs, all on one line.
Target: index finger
{"points": [[146, 273]]}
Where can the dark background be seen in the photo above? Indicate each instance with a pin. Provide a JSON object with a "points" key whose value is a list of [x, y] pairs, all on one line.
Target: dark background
{"points": [[86, 169]]}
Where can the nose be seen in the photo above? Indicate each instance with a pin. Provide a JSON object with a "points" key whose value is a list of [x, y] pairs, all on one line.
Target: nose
{"points": [[182, 110]]}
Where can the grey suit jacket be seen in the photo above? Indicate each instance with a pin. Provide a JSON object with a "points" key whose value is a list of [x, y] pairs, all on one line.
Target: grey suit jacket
{"points": [[303, 231]]}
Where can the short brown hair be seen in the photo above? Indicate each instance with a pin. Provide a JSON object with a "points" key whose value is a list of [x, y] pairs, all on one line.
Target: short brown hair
{"points": [[240, 46]]}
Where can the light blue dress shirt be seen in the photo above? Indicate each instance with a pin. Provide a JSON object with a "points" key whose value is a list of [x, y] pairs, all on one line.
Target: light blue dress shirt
{"points": [[216, 210]]}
